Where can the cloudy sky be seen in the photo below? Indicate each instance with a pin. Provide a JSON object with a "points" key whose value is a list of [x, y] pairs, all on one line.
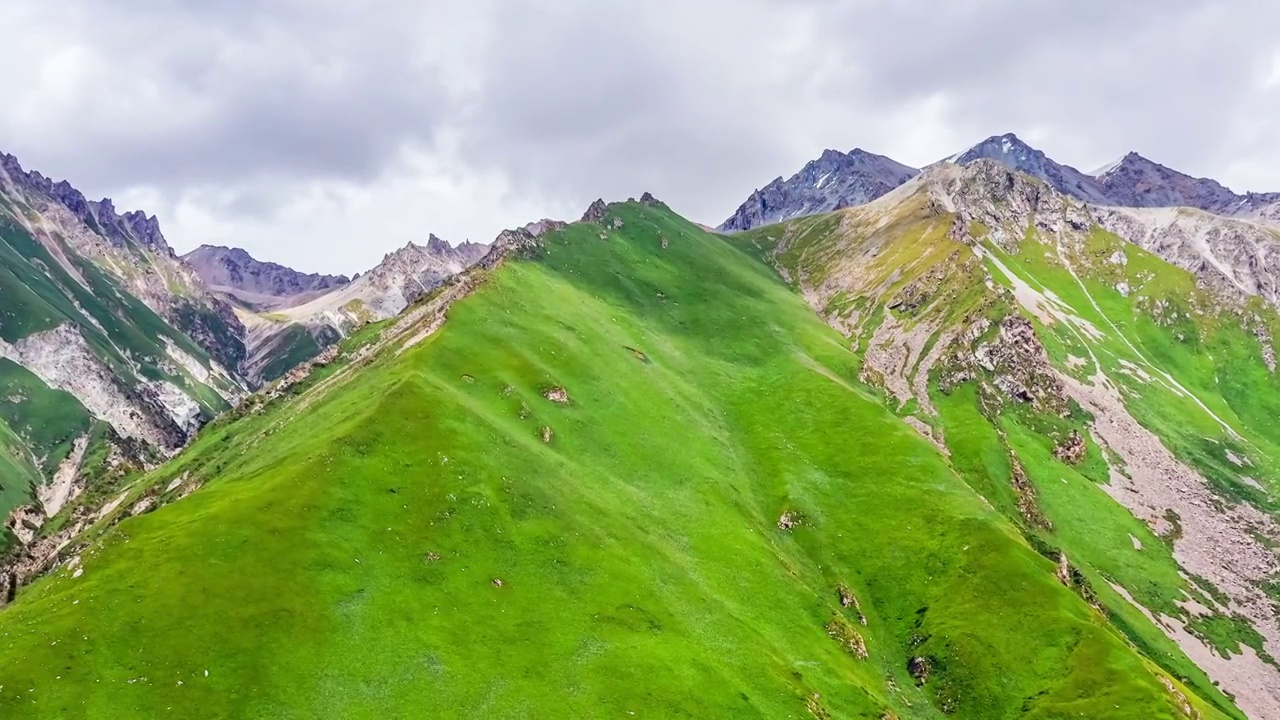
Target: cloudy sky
{"points": [[324, 133]]}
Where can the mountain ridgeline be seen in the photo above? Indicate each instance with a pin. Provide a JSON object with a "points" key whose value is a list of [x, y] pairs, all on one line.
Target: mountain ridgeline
{"points": [[836, 181], [956, 442], [297, 327]]}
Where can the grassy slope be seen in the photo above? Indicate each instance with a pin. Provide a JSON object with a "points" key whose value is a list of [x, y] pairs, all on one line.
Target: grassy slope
{"points": [[640, 563], [49, 420], [293, 347]]}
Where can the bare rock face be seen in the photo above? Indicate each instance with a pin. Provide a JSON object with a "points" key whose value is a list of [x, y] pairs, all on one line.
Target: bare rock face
{"points": [[1004, 201], [1020, 366], [156, 413], [1228, 255]]}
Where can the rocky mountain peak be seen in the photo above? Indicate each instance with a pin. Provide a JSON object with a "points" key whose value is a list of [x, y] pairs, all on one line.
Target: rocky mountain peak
{"points": [[1009, 150], [834, 181], [101, 215], [648, 199], [437, 246], [1135, 181]]}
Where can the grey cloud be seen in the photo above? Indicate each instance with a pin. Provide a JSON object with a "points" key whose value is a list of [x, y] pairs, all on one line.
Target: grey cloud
{"points": [[223, 92], [236, 110]]}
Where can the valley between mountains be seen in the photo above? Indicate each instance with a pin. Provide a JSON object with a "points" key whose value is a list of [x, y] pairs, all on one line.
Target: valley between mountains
{"points": [[992, 438]]}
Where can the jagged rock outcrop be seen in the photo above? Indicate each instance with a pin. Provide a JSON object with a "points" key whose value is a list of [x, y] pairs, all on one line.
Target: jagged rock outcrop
{"points": [[596, 212], [1004, 201], [835, 180]]}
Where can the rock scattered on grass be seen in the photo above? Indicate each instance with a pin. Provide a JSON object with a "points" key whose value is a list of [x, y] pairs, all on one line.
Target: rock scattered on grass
{"points": [[547, 434], [1072, 450], [849, 638], [789, 521], [849, 600], [919, 669], [557, 395]]}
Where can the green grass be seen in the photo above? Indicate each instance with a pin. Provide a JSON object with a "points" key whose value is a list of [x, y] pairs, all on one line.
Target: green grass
{"points": [[295, 345], [42, 425], [341, 561], [49, 420]]}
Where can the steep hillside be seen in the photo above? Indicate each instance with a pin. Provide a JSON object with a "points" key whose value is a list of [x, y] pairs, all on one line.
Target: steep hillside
{"points": [[112, 354], [255, 285], [1116, 410], [129, 247], [631, 474]]}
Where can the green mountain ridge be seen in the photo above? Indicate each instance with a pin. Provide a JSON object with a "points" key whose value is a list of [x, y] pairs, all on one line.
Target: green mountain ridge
{"points": [[635, 473]]}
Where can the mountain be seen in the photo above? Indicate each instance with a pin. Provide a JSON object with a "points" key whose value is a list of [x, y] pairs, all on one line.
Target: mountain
{"points": [[835, 180], [919, 458], [281, 339], [112, 351], [255, 285], [1117, 409]]}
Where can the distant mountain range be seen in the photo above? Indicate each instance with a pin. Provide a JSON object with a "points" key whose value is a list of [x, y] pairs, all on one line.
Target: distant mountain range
{"points": [[253, 284], [307, 313], [835, 181]]}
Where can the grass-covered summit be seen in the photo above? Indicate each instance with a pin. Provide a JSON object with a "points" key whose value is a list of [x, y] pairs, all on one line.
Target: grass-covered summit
{"points": [[632, 475]]}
